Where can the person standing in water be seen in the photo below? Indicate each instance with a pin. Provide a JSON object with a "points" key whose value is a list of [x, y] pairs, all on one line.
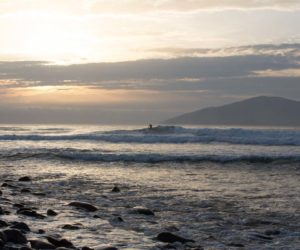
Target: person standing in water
{"points": [[150, 126]]}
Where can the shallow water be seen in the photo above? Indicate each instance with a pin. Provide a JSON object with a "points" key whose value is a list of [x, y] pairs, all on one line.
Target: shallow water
{"points": [[219, 204]]}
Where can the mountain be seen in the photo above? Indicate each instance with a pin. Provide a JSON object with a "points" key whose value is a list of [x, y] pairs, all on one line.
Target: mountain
{"points": [[257, 111]]}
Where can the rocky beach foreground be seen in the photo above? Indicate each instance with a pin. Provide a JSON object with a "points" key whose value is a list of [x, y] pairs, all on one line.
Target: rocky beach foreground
{"points": [[123, 207]]}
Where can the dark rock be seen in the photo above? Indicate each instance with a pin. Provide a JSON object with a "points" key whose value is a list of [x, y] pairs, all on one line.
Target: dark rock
{"points": [[51, 212], [1, 193], [37, 244], [25, 179], [63, 248], [39, 194], [82, 205], [86, 248], [263, 237], [25, 248], [25, 190], [4, 184], [119, 219], [70, 227], [60, 242], [143, 210], [3, 236], [171, 238], [17, 205], [1, 244], [30, 213], [3, 224], [116, 189], [10, 248], [15, 236], [41, 231], [108, 248], [272, 232], [1, 211], [21, 226], [236, 245]]}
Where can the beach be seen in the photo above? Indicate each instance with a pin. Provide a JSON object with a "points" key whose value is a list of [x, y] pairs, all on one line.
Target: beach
{"points": [[243, 195]]}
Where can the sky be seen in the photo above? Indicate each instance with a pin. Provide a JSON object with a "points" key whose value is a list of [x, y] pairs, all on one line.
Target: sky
{"points": [[141, 61]]}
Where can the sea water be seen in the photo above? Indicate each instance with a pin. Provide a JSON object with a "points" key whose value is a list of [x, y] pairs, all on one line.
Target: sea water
{"points": [[219, 186]]}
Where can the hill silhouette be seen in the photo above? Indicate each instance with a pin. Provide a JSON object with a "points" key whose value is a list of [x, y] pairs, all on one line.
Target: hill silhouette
{"points": [[257, 111]]}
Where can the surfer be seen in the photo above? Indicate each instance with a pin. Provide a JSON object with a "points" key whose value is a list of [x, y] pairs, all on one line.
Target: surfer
{"points": [[150, 126]]}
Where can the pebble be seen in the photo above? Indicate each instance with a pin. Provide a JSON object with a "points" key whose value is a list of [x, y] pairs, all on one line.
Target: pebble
{"points": [[83, 205], [143, 210], [51, 212], [37, 244], [25, 179], [171, 238]]}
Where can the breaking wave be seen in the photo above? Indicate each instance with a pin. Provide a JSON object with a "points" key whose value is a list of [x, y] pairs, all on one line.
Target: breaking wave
{"points": [[108, 156], [176, 135]]}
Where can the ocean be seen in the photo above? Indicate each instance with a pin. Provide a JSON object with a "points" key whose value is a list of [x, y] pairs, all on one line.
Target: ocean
{"points": [[222, 187]]}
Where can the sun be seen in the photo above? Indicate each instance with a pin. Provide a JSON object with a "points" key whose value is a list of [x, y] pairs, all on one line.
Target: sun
{"points": [[52, 36]]}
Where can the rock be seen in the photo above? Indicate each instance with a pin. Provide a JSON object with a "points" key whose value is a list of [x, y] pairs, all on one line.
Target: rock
{"points": [[15, 236], [41, 231], [1, 193], [70, 227], [143, 210], [272, 232], [25, 190], [1, 211], [263, 237], [2, 236], [108, 248], [4, 184], [17, 205], [39, 194], [3, 224], [116, 189], [60, 242], [25, 248], [171, 238], [37, 244], [25, 179], [30, 213], [62, 248], [51, 212], [236, 245], [82, 205], [21, 226], [86, 248]]}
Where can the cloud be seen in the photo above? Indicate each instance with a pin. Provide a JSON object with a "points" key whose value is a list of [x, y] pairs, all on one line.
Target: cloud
{"points": [[286, 49], [132, 6], [156, 73], [143, 90]]}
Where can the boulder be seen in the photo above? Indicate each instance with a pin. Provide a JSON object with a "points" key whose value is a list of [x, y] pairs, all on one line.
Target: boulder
{"points": [[40, 245], [60, 242], [30, 213], [15, 236], [21, 226]]}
